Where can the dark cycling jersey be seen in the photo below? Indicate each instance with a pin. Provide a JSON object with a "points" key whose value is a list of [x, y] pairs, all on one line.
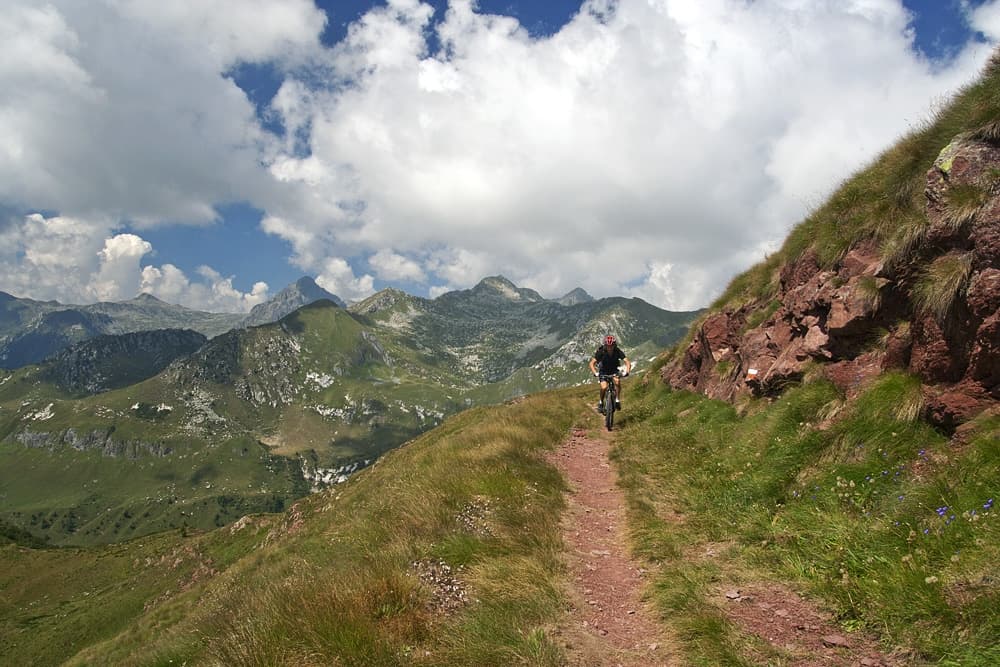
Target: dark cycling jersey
{"points": [[607, 362]]}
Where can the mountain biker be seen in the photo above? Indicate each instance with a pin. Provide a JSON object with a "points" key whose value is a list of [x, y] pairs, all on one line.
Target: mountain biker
{"points": [[608, 356]]}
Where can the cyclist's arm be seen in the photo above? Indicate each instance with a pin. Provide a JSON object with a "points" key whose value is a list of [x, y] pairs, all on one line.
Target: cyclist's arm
{"points": [[628, 366], [593, 364]]}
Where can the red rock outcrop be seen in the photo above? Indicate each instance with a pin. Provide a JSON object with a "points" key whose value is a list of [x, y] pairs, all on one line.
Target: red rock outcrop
{"points": [[859, 318]]}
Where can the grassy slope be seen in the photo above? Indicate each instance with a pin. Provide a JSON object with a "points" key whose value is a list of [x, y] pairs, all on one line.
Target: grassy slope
{"points": [[334, 578], [872, 513]]}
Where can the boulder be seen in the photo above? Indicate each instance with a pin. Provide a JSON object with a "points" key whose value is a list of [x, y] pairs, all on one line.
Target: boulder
{"points": [[983, 293], [984, 360], [933, 356], [948, 406]]}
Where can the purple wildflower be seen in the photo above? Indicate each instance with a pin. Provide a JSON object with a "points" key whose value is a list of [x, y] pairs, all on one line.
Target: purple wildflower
{"points": [[941, 511], [988, 504]]}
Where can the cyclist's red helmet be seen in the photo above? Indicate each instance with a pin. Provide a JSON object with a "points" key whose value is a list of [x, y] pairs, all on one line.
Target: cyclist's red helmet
{"points": [[609, 340]]}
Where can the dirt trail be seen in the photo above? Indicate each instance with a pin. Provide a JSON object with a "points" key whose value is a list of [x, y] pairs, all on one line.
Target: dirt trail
{"points": [[609, 624]]}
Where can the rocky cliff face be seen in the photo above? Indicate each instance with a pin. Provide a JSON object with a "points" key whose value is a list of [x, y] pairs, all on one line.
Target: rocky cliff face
{"points": [[102, 441], [935, 314]]}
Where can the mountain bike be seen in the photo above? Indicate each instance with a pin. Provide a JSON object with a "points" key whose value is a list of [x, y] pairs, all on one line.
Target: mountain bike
{"points": [[610, 405]]}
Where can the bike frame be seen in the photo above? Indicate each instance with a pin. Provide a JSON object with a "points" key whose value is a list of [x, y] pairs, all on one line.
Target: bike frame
{"points": [[610, 397]]}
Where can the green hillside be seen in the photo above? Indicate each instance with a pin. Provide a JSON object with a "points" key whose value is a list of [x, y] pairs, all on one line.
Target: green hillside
{"points": [[258, 417]]}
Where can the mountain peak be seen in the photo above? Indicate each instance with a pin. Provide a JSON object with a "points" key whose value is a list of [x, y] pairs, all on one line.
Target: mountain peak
{"points": [[146, 298], [508, 290], [302, 292], [310, 290], [574, 297], [305, 282]]}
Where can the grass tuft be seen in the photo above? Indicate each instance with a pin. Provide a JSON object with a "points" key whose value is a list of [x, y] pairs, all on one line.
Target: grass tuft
{"points": [[964, 202], [990, 132], [900, 239], [942, 281]]}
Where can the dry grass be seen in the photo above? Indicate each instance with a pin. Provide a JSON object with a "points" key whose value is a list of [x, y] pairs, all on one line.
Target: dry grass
{"points": [[943, 280], [990, 132], [964, 202]]}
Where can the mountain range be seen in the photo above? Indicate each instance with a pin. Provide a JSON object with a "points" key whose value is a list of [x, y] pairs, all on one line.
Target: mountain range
{"points": [[169, 427]]}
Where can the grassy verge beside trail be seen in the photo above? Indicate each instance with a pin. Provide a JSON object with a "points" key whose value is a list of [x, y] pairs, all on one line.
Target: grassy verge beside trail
{"points": [[885, 522], [446, 552]]}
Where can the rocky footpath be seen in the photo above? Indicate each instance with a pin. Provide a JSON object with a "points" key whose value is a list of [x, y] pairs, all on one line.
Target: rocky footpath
{"points": [[865, 315]]}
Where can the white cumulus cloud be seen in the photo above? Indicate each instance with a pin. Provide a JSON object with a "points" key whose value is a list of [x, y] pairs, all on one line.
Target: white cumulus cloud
{"points": [[79, 261], [986, 19], [640, 136], [392, 266], [337, 277], [213, 293], [118, 274]]}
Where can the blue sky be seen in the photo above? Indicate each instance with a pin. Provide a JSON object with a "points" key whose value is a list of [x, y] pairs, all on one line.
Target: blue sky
{"points": [[212, 157]]}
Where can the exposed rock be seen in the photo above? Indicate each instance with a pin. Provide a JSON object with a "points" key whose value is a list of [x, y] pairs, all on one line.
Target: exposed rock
{"points": [[836, 641], [574, 297], [97, 440], [798, 272], [984, 360], [851, 375], [934, 356], [857, 318], [951, 405]]}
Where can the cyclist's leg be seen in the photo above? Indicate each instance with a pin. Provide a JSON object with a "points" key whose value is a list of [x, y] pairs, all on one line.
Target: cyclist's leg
{"points": [[604, 390], [618, 390]]}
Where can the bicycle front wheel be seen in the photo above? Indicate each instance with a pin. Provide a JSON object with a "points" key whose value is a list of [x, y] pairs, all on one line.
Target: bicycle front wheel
{"points": [[609, 406]]}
